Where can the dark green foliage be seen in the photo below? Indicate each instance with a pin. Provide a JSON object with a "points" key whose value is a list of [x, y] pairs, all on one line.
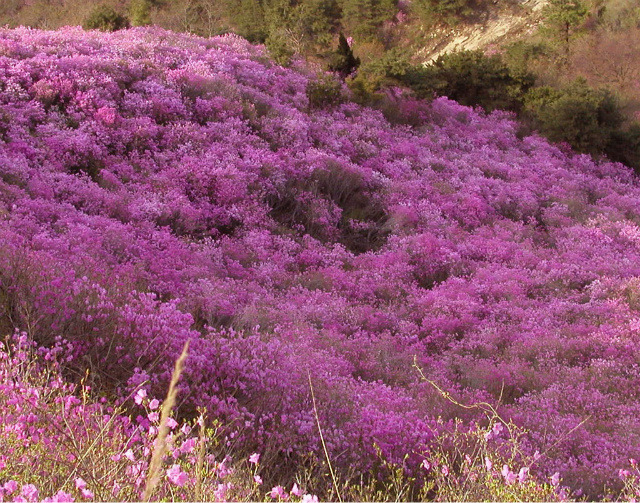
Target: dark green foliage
{"points": [[140, 12], [472, 79], [579, 115], [324, 92], [449, 11], [562, 17], [299, 27], [342, 61], [519, 55], [248, 19], [624, 146], [363, 18], [105, 18]]}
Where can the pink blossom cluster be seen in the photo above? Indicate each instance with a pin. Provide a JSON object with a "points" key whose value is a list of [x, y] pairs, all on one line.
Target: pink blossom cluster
{"points": [[157, 188]]}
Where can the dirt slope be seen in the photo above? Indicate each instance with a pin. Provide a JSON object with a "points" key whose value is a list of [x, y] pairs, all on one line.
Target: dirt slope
{"points": [[497, 24]]}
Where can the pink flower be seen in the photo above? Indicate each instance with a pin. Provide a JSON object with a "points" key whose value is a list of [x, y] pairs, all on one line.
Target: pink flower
{"points": [[296, 491], [257, 479], [254, 458], [555, 479], [445, 470], [154, 417], [60, 497], [154, 404], [81, 485], [177, 476], [106, 114], [220, 494], [523, 474], [29, 492], [309, 498], [140, 396], [129, 455], [171, 423], [508, 475], [278, 492], [488, 464], [426, 465], [623, 474], [10, 486]]}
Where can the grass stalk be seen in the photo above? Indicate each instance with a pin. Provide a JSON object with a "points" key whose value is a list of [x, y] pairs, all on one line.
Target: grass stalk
{"points": [[324, 445], [160, 444]]}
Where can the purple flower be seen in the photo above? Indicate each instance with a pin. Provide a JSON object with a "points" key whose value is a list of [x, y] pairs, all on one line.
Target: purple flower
{"points": [[140, 396], [177, 476], [279, 493]]}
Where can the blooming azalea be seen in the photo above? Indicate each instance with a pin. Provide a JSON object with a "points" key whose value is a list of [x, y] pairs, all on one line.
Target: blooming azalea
{"points": [[177, 476]]}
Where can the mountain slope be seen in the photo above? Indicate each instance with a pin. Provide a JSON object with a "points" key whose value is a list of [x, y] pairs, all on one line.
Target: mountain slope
{"points": [[157, 187]]}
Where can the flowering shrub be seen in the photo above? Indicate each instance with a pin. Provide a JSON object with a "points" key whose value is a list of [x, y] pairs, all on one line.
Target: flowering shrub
{"points": [[158, 188]]}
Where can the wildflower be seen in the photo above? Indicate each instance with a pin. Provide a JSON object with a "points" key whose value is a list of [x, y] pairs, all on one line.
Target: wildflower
{"points": [[186, 429], [295, 490], [29, 492], [154, 404], [445, 470], [10, 486], [426, 465], [188, 445], [488, 464], [555, 479], [129, 455], [623, 474], [257, 479], [154, 416], [171, 423], [140, 396], [81, 485], [60, 497], [220, 494], [177, 476], [523, 474], [633, 462], [254, 458], [309, 498], [509, 476], [278, 492]]}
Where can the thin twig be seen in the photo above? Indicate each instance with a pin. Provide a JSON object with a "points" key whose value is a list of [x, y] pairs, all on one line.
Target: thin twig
{"points": [[324, 446]]}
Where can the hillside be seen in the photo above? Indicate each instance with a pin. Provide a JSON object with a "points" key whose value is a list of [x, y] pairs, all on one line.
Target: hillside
{"points": [[159, 187]]}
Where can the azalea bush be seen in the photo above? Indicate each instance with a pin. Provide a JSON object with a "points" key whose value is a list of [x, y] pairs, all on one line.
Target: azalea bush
{"points": [[60, 442], [159, 188]]}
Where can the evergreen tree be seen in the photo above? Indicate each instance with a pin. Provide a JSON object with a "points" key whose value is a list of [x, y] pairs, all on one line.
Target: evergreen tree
{"points": [[343, 61], [562, 17]]}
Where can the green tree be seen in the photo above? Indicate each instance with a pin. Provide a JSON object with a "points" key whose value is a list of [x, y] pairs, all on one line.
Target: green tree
{"points": [[588, 119], [562, 17], [105, 18], [363, 18], [449, 11], [140, 12], [248, 19], [299, 27], [342, 61], [472, 79]]}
